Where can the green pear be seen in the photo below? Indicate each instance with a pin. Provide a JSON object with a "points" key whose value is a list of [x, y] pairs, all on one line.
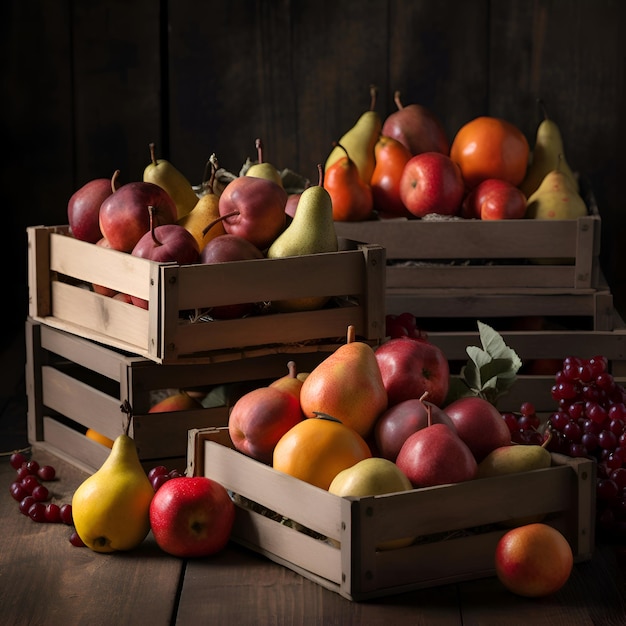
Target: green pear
{"points": [[111, 508], [165, 175], [360, 142], [311, 231], [556, 199], [261, 169], [513, 459], [547, 152]]}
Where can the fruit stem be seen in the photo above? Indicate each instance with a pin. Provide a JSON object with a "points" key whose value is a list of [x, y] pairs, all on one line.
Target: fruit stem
{"points": [[258, 144], [320, 175], [373, 95], [547, 439], [152, 211], [325, 416], [396, 99], [542, 106], [218, 219], [114, 178], [350, 334], [152, 153], [128, 410], [291, 366]]}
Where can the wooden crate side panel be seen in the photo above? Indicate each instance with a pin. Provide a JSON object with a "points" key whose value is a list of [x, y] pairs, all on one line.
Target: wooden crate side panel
{"points": [[39, 289], [33, 376]]}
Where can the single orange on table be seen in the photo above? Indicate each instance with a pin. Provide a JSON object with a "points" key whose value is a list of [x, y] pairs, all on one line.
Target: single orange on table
{"points": [[490, 147]]}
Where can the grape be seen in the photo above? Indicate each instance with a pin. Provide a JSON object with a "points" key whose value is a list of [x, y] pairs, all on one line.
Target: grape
{"points": [[559, 420], [157, 471], [29, 483], [596, 412], [510, 419], [32, 466], [159, 480], [573, 431], [66, 514], [174, 474], [76, 541], [566, 390], [17, 491], [37, 512], [53, 513], [618, 476], [40, 493], [16, 460], [598, 364], [590, 441], [606, 489], [47, 472], [23, 471], [26, 503], [527, 409]]}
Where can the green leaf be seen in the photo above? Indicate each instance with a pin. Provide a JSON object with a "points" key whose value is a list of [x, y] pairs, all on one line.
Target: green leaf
{"points": [[494, 345]]}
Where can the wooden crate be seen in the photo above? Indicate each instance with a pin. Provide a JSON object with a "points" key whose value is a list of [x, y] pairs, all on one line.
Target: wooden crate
{"points": [[74, 384], [457, 525], [62, 269]]}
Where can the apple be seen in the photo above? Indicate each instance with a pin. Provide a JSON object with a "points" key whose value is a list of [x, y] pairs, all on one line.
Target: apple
{"points": [[399, 421], [534, 560], [191, 516], [125, 215], [83, 209], [432, 183], [479, 424], [411, 366], [260, 418], [495, 199]]}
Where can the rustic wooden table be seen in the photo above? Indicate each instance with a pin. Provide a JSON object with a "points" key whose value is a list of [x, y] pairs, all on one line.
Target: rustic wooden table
{"points": [[45, 580]]}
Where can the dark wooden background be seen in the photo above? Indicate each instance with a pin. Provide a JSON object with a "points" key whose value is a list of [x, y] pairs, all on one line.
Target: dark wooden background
{"points": [[87, 84]]}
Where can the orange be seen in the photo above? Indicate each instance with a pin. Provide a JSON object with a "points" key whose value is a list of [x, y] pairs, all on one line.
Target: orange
{"points": [[99, 437], [317, 449], [490, 147]]}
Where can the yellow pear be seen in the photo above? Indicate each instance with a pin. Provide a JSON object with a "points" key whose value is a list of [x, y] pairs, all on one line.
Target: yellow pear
{"points": [[111, 508], [373, 477], [360, 142], [290, 382], [556, 199], [205, 212], [261, 169], [165, 175], [547, 152]]}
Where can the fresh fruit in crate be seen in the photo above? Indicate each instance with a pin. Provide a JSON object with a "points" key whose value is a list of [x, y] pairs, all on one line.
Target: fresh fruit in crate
{"points": [[316, 449], [125, 216], [351, 197], [263, 169], [254, 208], [431, 183], [411, 366], [510, 459], [534, 560], [373, 477], [436, 455], [110, 508], [192, 517], [179, 401], [490, 147], [403, 325], [347, 385], [83, 209], [494, 199], [556, 198], [391, 157], [546, 152], [162, 173], [290, 382], [260, 418], [416, 127], [311, 231], [399, 421], [359, 141]]}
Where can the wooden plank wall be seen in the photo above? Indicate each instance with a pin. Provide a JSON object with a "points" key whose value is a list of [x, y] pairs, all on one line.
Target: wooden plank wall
{"points": [[87, 85]]}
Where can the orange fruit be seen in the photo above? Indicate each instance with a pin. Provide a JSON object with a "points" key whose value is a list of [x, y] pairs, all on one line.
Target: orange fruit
{"points": [[99, 437], [317, 449], [490, 147]]}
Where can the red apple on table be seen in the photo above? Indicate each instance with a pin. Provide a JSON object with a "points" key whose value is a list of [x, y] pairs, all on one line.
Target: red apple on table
{"points": [[260, 418], [83, 209], [495, 199], [534, 560], [479, 424], [432, 183], [191, 516], [400, 421], [411, 366], [125, 215]]}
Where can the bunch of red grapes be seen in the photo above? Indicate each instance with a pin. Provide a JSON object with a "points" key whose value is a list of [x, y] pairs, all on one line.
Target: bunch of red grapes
{"points": [[590, 421]]}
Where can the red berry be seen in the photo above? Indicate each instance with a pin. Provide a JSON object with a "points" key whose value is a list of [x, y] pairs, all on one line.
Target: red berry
{"points": [[40, 493], [16, 460], [66, 514], [53, 513], [26, 503], [47, 472], [76, 541], [37, 512], [29, 483], [157, 471], [32, 466]]}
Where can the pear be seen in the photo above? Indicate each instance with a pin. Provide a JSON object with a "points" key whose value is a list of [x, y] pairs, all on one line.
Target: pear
{"points": [[512, 459], [205, 212], [548, 150], [556, 198], [290, 381], [311, 231], [347, 385], [165, 175], [360, 142], [261, 169], [111, 508]]}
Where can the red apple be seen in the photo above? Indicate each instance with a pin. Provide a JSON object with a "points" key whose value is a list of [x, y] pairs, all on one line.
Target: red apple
{"points": [[495, 199], [432, 183], [191, 516], [479, 424], [410, 366], [534, 560], [125, 215], [83, 209], [400, 421], [260, 418]]}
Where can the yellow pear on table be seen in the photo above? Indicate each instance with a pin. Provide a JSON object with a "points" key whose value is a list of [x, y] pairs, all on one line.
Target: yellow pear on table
{"points": [[556, 199], [205, 212], [548, 150], [111, 508], [262, 169], [162, 173], [360, 142]]}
